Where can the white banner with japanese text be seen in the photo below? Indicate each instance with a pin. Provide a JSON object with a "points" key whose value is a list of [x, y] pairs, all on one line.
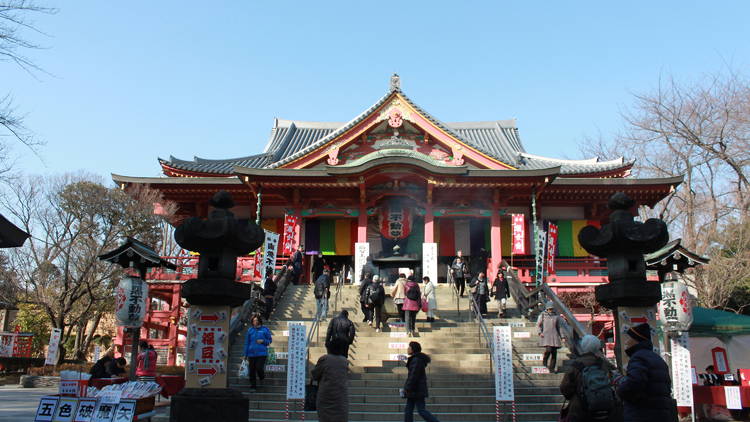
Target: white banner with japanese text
{"points": [[270, 246], [296, 361], [503, 356]]}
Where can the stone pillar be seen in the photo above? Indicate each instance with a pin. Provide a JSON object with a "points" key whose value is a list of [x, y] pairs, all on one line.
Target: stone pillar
{"points": [[496, 243]]}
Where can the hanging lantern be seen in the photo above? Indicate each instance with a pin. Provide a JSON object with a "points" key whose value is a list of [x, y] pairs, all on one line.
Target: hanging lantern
{"points": [[675, 309], [131, 298], [395, 222]]}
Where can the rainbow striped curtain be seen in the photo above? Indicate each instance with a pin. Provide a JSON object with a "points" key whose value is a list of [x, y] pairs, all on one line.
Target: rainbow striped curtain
{"points": [[567, 237], [332, 237], [468, 235]]}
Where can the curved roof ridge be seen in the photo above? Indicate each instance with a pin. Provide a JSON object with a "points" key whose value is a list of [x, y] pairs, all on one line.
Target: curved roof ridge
{"points": [[199, 160], [333, 134], [593, 160], [307, 124], [488, 124]]}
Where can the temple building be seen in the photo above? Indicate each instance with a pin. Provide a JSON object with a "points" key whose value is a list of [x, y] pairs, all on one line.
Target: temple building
{"points": [[394, 175]]}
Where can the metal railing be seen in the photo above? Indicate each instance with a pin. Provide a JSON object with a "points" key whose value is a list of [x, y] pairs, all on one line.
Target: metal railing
{"points": [[484, 332], [529, 301]]}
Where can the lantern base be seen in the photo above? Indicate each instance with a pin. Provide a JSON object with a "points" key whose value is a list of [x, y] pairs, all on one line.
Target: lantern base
{"points": [[214, 404], [215, 292], [630, 293]]}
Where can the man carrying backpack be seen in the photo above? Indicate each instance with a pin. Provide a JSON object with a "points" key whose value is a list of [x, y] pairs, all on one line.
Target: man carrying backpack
{"points": [[375, 300], [588, 386], [322, 292], [340, 335]]}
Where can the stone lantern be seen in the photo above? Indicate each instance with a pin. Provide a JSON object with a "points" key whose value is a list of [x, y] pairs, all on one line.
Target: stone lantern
{"points": [[219, 240], [624, 241]]}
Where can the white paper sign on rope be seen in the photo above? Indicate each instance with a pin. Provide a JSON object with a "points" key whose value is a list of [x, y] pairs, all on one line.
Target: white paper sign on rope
{"points": [[503, 356], [682, 379], [296, 361], [430, 261], [361, 252]]}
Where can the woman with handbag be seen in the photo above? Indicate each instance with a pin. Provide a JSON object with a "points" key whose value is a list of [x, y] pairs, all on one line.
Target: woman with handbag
{"points": [[332, 402], [398, 293], [256, 350], [430, 297], [412, 305]]}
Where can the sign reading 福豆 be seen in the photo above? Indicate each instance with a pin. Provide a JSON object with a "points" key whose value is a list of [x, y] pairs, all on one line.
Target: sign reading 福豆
{"points": [[206, 347]]}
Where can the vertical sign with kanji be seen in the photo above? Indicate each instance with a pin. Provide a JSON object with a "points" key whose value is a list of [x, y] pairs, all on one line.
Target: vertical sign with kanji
{"points": [[519, 234], [361, 252], [46, 409], [270, 246], [207, 345], [503, 357], [551, 247], [66, 409], [85, 412], [430, 261], [682, 380], [54, 344], [296, 361], [289, 245]]}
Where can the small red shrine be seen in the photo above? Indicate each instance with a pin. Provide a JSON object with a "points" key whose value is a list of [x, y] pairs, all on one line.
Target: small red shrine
{"points": [[394, 175]]}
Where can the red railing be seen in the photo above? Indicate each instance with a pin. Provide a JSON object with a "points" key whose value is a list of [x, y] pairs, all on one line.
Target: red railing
{"points": [[187, 268], [589, 270]]}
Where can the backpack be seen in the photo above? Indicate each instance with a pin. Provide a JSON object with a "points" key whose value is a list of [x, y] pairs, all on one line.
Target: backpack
{"points": [[596, 393], [320, 290], [375, 296], [413, 293]]}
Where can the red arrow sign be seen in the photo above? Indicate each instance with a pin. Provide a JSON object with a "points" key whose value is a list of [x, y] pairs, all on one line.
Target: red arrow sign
{"points": [[207, 371], [211, 317]]}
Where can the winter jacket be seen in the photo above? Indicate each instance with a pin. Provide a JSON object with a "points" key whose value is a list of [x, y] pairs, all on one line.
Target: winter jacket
{"points": [[430, 295], [411, 305], [113, 370], [415, 386], [500, 288], [332, 401], [459, 269], [551, 325], [146, 364], [363, 290], [269, 290], [252, 348], [99, 370], [571, 382], [341, 329], [322, 284], [398, 292], [482, 288], [646, 389], [371, 289], [296, 261]]}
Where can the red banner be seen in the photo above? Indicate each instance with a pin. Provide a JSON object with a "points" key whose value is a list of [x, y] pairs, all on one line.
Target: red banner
{"points": [[290, 228], [519, 234], [395, 222], [551, 247], [258, 264]]}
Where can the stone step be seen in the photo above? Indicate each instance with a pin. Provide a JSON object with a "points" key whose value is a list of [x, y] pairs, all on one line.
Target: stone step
{"points": [[273, 415]]}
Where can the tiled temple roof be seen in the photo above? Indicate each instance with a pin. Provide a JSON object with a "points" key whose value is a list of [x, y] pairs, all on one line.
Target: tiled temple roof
{"points": [[292, 139]]}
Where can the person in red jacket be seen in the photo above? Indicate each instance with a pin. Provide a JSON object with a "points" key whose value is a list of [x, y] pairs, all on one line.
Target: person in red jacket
{"points": [[145, 361]]}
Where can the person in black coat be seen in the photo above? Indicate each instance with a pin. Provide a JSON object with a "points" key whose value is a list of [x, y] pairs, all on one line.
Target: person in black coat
{"points": [[99, 370], [295, 263], [340, 335], [366, 312], [460, 272], [501, 292], [318, 266], [415, 387], [116, 368], [646, 389], [269, 290], [375, 295], [481, 292]]}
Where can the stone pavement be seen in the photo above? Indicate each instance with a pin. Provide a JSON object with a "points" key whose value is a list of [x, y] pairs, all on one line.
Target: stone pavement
{"points": [[19, 404]]}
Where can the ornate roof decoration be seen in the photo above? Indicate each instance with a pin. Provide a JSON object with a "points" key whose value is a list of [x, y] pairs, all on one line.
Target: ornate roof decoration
{"points": [[291, 140]]}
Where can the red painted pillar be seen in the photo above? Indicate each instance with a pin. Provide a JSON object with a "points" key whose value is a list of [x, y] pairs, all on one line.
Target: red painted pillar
{"points": [[362, 224], [174, 320], [496, 243], [429, 225]]}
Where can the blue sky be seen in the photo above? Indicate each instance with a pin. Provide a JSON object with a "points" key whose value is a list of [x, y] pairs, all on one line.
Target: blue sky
{"points": [[133, 81]]}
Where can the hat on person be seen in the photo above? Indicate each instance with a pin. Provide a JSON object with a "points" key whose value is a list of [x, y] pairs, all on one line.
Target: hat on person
{"points": [[590, 344], [549, 305], [640, 332]]}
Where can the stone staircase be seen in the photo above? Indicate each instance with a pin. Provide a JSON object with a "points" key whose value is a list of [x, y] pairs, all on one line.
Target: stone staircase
{"points": [[460, 381]]}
